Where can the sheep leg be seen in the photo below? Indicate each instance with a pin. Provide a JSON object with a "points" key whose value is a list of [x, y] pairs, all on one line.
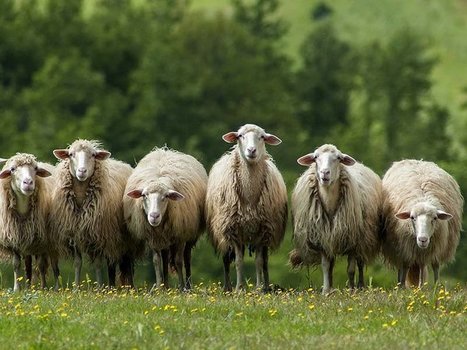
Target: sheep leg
{"points": [[361, 280], [266, 269], [421, 280], [111, 272], [165, 254], [239, 266], [435, 267], [126, 270], [327, 265], [17, 271], [187, 261], [402, 275], [78, 263], [157, 261], [179, 253], [259, 262], [98, 267], [226, 261], [56, 272], [42, 262], [351, 262], [28, 268]]}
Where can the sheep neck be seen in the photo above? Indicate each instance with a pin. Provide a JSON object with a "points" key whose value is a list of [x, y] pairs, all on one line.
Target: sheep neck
{"points": [[22, 203], [329, 196], [80, 188], [251, 179]]}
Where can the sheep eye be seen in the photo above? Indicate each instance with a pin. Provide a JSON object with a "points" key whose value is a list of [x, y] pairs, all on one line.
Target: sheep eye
{"points": [[12, 169], [412, 218]]}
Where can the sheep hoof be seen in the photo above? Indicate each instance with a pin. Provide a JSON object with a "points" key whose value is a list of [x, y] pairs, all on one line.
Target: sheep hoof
{"points": [[328, 292]]}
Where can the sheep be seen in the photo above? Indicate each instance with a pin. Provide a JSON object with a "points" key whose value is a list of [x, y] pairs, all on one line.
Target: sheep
{"points": [[163, 206], [87, 206], [246, 203], [336, 210], [422, 213], [24, 213]]}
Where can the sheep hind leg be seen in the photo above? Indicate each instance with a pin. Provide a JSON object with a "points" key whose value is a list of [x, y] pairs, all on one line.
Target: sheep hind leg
{"points": [[435, 267], [56, 272], [28, 269], [266, 287], [112, 273], [179, 253], [351, 263], [402, 276], [43, 264], [361, 277], [259, 263], [16, 272], [239, 252], [165, 254], [77, 264], [327, 265], [187, 262], [227, 259], [98, 268]]}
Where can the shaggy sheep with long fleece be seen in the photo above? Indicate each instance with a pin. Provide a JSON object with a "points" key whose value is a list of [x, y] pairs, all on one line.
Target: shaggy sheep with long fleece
{"points": [[163, 206], [336, 209], [422, 213], [25, 194], [246, 203], [87, 206]]}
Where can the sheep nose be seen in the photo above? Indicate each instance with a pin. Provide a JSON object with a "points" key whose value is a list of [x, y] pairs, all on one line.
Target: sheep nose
{"points": [[82, 170], [422, 239], [251, 150], [27, 181], [325, 172], [154, 216]]}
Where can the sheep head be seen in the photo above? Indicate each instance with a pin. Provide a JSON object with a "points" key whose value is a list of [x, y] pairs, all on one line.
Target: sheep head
{"points": [[23, 169], [251, 140], [328, 159], [424, 217], [155, 198], [83, 155]]}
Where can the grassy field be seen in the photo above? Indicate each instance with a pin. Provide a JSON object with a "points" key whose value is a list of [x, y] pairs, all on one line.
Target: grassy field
{"points": [[208, 318]]}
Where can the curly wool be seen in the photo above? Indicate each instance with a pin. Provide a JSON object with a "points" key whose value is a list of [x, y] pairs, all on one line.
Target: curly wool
{"points": [[245, 204], [164, 169], [405, 184], [354, 227], [26, 234], [96, 227]]}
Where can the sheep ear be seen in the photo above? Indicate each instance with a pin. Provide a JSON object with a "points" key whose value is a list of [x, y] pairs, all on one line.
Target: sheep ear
{"points": [[102, 155], [2, 161], [41, 172], [5, 173], [61, 154], [230, 137], [135, 194], [307, 159], [442, 215], [403, 215], [271, 139], [174, 195], [347, 160]]}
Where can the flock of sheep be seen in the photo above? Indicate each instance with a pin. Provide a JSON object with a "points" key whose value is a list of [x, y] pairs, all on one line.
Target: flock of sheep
{"points": [[92, 204]]}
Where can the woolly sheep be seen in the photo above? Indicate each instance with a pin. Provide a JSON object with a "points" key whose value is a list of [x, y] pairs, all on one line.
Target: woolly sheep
{"points": [[246, 203], [163, 207], [336, 206], [422, 213], [87, 205], [24, 212]]}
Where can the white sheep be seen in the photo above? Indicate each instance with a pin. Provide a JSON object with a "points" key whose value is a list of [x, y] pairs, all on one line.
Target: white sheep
{"points": [[87, 205], [164, 205], [246, 203], [25, 194], [422, 212], [336, 208]]}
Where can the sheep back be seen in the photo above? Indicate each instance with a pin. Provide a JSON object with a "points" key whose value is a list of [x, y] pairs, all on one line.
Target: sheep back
{"points": [[183, 220], [353, 229], [245, 206], [405, 184]]}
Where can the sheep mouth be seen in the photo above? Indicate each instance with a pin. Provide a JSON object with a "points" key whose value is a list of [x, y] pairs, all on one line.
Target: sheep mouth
{"points": [[154, 223], [27, 191], [325, 180], [422, 245], [251, 156], [81, 178]]}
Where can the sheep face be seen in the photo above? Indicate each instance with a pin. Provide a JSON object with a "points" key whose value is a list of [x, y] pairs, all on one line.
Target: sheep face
{"points": [[155, 201], [83, 156], [328, 159], [424, 217], [251, 140], [23, 170]]}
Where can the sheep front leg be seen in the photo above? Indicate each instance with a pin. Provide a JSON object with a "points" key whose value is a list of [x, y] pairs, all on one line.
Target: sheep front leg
{"points": [[17, 272], [226, 259], [361, 280], [187, 262], [42, 262], [327, 265], [112, 272], [435, 267], [422, 276], [157, 261], [259, 262], [179, 264], [56, 272], [239, 266], [266, 269], [78, 263], [402, 276], [98, 267], [28, 268]]}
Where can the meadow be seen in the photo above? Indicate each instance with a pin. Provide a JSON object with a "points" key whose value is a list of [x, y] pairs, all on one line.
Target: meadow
{"points": [[429, 318]]}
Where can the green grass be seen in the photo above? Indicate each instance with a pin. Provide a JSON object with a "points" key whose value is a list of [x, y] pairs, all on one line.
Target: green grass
{"points": [[208, 318]]}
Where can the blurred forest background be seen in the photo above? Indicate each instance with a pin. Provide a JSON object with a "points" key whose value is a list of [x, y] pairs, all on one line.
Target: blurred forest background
{"points": [[383, 80]]}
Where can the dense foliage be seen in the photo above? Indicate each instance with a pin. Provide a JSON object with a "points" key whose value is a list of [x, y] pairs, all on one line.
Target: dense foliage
{"points": [[139, 74]]}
